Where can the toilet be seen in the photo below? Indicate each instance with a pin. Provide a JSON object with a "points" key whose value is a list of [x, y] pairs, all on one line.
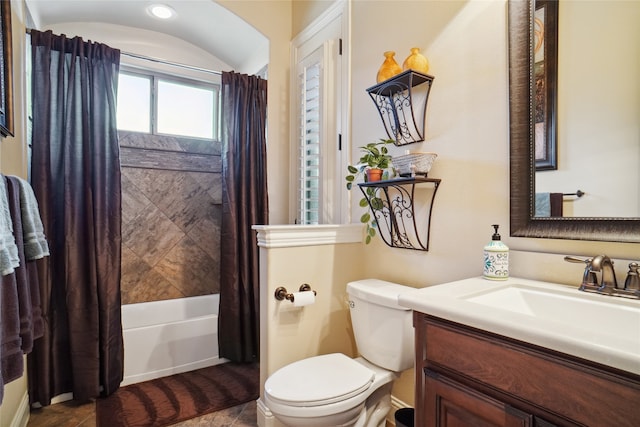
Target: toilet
{"points": [[334, 390]]}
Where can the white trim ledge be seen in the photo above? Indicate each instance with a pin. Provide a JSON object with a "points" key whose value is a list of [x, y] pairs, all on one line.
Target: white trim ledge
{"points": [[21, 418], [264, 417], [287, 236]]}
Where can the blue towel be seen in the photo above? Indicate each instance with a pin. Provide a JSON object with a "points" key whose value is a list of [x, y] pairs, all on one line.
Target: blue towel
{"points": [[35, 243], [548, 205], [8, 250], [543, 205]]}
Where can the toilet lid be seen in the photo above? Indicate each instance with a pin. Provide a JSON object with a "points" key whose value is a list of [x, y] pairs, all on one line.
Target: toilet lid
{"points": [[319, 380]]}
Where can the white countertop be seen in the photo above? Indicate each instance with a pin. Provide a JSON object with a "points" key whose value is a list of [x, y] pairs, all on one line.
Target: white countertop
{"points": [[600, 328]]}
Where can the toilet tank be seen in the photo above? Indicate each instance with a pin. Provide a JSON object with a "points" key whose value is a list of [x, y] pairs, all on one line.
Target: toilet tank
{"points": [[383, 329]]}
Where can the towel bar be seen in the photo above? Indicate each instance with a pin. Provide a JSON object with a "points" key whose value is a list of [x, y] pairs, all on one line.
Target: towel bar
{"points": [[578, 193]]}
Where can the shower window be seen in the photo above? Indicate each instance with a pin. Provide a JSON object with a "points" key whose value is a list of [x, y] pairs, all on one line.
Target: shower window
{"points": [[159, 104], [185, 110], [134, 103]]}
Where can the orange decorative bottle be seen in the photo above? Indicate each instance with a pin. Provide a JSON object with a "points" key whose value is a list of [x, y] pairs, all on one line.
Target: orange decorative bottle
{"points": [[389, 67], [416, 61]]}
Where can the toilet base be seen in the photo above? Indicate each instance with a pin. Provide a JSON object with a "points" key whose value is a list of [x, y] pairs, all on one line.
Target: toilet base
{"points": [[348, 418], [365, 416], [371, 413], [376, 408]]}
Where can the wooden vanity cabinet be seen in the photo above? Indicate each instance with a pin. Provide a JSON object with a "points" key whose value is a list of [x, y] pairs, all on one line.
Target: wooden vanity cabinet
{"points": [[473, 378]]}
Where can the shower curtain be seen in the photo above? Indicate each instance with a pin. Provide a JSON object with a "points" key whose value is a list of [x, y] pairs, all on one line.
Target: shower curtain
{"points": [[244, 203], [75, 173]]}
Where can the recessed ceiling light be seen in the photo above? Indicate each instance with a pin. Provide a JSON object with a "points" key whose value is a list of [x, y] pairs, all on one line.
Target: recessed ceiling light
{"points": [[161, 11]]}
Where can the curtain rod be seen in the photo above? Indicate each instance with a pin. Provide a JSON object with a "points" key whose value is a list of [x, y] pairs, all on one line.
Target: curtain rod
{"points": [[162, 61], [174, 64]]}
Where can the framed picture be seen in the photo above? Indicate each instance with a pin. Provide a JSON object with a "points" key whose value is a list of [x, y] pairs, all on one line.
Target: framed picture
{"points": [[545, 76], [6, 70]]}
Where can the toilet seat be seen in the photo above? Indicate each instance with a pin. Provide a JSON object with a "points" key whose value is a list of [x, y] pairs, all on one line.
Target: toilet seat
{"points": [[319, 380]]}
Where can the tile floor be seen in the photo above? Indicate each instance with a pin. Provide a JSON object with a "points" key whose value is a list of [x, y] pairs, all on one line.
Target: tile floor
{"points": [[69, 414]]}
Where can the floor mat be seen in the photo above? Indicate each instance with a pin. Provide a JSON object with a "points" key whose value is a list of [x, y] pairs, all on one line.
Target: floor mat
{"points": [[169, 400]]}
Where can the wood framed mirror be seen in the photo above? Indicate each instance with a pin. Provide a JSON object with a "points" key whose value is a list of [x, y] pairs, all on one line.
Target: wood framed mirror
{"points": [[523, 222]]}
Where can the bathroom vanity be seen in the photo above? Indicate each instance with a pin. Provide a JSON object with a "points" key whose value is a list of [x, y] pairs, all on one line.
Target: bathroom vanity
{"points": [[524, 353]]}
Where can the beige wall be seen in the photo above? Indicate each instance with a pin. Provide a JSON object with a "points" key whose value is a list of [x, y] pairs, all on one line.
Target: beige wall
{"points": [[13, 158], [467, 125], [294, 333], [467, 121], [273, 19], [305, 11], [13, 161]]}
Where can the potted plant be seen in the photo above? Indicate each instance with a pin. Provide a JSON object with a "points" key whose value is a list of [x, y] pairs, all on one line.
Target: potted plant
{"points": [[374, 160], [372, 164]]}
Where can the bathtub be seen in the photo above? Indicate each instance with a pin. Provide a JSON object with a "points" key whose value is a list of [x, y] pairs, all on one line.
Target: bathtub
{"points": [[168, 337]]}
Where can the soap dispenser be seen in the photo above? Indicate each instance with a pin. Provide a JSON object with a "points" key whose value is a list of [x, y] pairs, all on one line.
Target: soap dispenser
{"points": [[496, 258]]}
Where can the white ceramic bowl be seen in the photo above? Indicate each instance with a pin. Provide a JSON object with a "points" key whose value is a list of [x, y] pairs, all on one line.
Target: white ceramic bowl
{"points": [[422, 163]]}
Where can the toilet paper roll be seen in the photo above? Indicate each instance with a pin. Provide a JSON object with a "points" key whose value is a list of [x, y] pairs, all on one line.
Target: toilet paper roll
{"points": [[300, 299]]}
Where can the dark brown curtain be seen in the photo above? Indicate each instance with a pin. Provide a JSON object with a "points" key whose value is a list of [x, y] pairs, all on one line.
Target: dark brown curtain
{"points": [[244, 203], [75, 174]]}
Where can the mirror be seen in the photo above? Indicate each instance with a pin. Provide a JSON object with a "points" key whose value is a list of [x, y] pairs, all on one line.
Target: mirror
{"points": [[524, 223]]}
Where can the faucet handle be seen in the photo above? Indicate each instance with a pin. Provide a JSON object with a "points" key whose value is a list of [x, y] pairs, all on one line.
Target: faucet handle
{"points": [[577, 260], [589, 277], [632, 282]]}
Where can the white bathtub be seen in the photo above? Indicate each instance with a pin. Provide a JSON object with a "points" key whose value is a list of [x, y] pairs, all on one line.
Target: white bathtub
{"points": [[168, 337]]}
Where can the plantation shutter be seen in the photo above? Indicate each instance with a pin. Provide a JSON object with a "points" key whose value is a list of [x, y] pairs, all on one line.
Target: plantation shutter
{"points": [[319, 96], [310, 158]]}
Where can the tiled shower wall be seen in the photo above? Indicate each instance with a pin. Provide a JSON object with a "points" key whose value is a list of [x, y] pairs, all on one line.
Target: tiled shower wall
{"points": [[171, 213]]}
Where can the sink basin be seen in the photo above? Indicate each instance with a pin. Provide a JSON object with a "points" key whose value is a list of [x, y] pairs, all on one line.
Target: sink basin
{"points": [[595, 327], [595, 313]]}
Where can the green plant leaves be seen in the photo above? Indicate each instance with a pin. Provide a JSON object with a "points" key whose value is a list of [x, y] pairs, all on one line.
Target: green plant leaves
{"points": [[376, 203], [375, 155], [371, 232]]}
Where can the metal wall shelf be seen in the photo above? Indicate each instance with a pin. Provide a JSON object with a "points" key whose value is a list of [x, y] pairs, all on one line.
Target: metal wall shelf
{"points": [[392, 203], [402, 104]]}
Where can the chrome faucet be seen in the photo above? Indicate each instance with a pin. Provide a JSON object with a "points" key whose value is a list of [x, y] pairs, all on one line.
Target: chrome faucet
{"points": [[604, 264], [589, 278], [608, 283]]}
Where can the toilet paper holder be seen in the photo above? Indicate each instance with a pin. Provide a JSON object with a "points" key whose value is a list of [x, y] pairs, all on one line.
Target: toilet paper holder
{"points": [[281, 292]]}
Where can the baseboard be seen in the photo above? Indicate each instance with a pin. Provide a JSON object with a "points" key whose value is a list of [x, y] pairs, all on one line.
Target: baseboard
{"points": [[21, 418], [264, 417], [395, 405]]}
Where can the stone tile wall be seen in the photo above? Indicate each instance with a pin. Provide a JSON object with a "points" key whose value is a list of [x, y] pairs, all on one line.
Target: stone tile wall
{"points": [[171, 213]]}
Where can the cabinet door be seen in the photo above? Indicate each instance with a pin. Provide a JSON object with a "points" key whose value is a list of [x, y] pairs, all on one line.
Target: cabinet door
{"points": [[539, 422], [450, 404]]}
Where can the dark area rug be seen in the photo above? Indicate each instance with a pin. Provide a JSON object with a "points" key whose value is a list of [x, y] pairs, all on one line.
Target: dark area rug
{"points": [[169, 400]]}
